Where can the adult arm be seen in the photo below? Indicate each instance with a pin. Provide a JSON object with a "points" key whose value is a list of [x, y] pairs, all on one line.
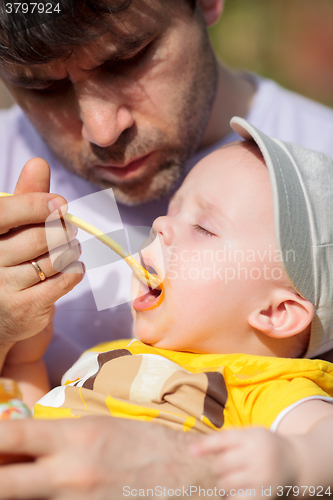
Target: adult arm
{"points": [[99, 457]]}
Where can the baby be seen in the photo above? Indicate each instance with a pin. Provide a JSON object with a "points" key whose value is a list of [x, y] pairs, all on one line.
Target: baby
{"points": [[246, 257]]}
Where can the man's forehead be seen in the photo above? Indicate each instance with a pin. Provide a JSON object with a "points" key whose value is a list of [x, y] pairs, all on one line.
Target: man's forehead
{"points": [[85, 59], [127, 32]]}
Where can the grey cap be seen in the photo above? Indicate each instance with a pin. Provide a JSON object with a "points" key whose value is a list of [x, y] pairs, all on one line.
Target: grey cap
{"points": [[302, 186]]}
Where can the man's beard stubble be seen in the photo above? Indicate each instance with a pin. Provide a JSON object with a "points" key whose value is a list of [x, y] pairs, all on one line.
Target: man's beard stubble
{"points": [[191, 123]]}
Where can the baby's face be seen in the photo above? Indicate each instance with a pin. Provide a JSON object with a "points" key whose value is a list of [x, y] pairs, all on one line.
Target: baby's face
{"points": [[219, 256]]}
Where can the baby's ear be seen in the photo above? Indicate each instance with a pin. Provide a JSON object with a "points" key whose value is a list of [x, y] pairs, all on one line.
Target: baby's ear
{"points": [[287, 315]]}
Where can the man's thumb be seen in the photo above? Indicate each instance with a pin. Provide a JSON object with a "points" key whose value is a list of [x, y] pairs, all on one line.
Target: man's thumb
{"points": [[34, 178]]}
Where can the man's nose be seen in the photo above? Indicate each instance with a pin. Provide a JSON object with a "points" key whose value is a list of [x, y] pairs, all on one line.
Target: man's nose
{"points": [[164, 227], [103, 119]]}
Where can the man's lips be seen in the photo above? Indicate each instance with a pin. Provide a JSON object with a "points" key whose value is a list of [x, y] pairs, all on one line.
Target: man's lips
{"points": [[124, 170]]}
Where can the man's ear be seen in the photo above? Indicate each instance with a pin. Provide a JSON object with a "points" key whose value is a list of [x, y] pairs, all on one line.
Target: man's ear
{"points": [[287, 315], [211, 10]]}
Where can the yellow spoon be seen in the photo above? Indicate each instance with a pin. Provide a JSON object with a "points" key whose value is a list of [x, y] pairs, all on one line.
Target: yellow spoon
{"points": [[140, 272]]}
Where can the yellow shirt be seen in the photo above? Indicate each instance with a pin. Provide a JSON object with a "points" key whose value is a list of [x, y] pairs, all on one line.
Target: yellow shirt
{"points": [[185, 391]]}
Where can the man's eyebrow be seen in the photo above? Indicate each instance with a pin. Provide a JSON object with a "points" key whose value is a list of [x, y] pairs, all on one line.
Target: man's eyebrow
{"points": [[131, 43], [126, 48], [33, 82]]}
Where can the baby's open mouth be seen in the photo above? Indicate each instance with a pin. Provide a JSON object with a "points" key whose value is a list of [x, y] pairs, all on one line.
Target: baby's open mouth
{"points": [[149, 298]]}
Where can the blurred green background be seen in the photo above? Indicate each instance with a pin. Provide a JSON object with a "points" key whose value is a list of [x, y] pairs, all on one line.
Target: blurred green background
{"points": [[290, 41]]}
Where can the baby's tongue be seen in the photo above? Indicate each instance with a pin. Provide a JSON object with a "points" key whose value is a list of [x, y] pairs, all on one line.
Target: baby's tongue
{"points": [[150, 296]]}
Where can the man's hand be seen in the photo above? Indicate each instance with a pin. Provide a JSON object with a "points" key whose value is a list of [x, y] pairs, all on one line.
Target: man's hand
{"points": [[97, 458], [25, 301], [250, 459]]}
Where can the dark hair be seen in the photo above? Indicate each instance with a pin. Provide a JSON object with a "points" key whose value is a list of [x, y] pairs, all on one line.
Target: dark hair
{"points": [[37, 38]]}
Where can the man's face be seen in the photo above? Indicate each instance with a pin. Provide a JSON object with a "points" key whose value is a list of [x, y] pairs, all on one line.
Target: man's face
{"points": [[219, 257], [127, 110]]}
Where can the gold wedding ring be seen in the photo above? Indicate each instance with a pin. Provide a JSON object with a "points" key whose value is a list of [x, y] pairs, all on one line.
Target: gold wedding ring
{"points": [[38, 270]]}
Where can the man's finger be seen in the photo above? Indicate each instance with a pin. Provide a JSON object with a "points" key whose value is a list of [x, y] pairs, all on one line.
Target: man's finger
{"points": [[32, 208], [46, 293], [24, 275], [25, 481], [34, 178], [29, 243], [28, 437]]}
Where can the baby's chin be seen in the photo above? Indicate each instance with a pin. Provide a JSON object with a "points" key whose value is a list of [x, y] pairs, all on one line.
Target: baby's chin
{"points": [[140, 329], [145, 337], [146, 333]]}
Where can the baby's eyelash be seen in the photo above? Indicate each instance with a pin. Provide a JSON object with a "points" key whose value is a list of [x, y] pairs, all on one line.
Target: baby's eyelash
{"points": [[202, 230]]}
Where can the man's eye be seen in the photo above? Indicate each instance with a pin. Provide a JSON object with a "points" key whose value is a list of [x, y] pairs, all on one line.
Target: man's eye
{"points": [[130, 61], [53, 88], [202, 230]]}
